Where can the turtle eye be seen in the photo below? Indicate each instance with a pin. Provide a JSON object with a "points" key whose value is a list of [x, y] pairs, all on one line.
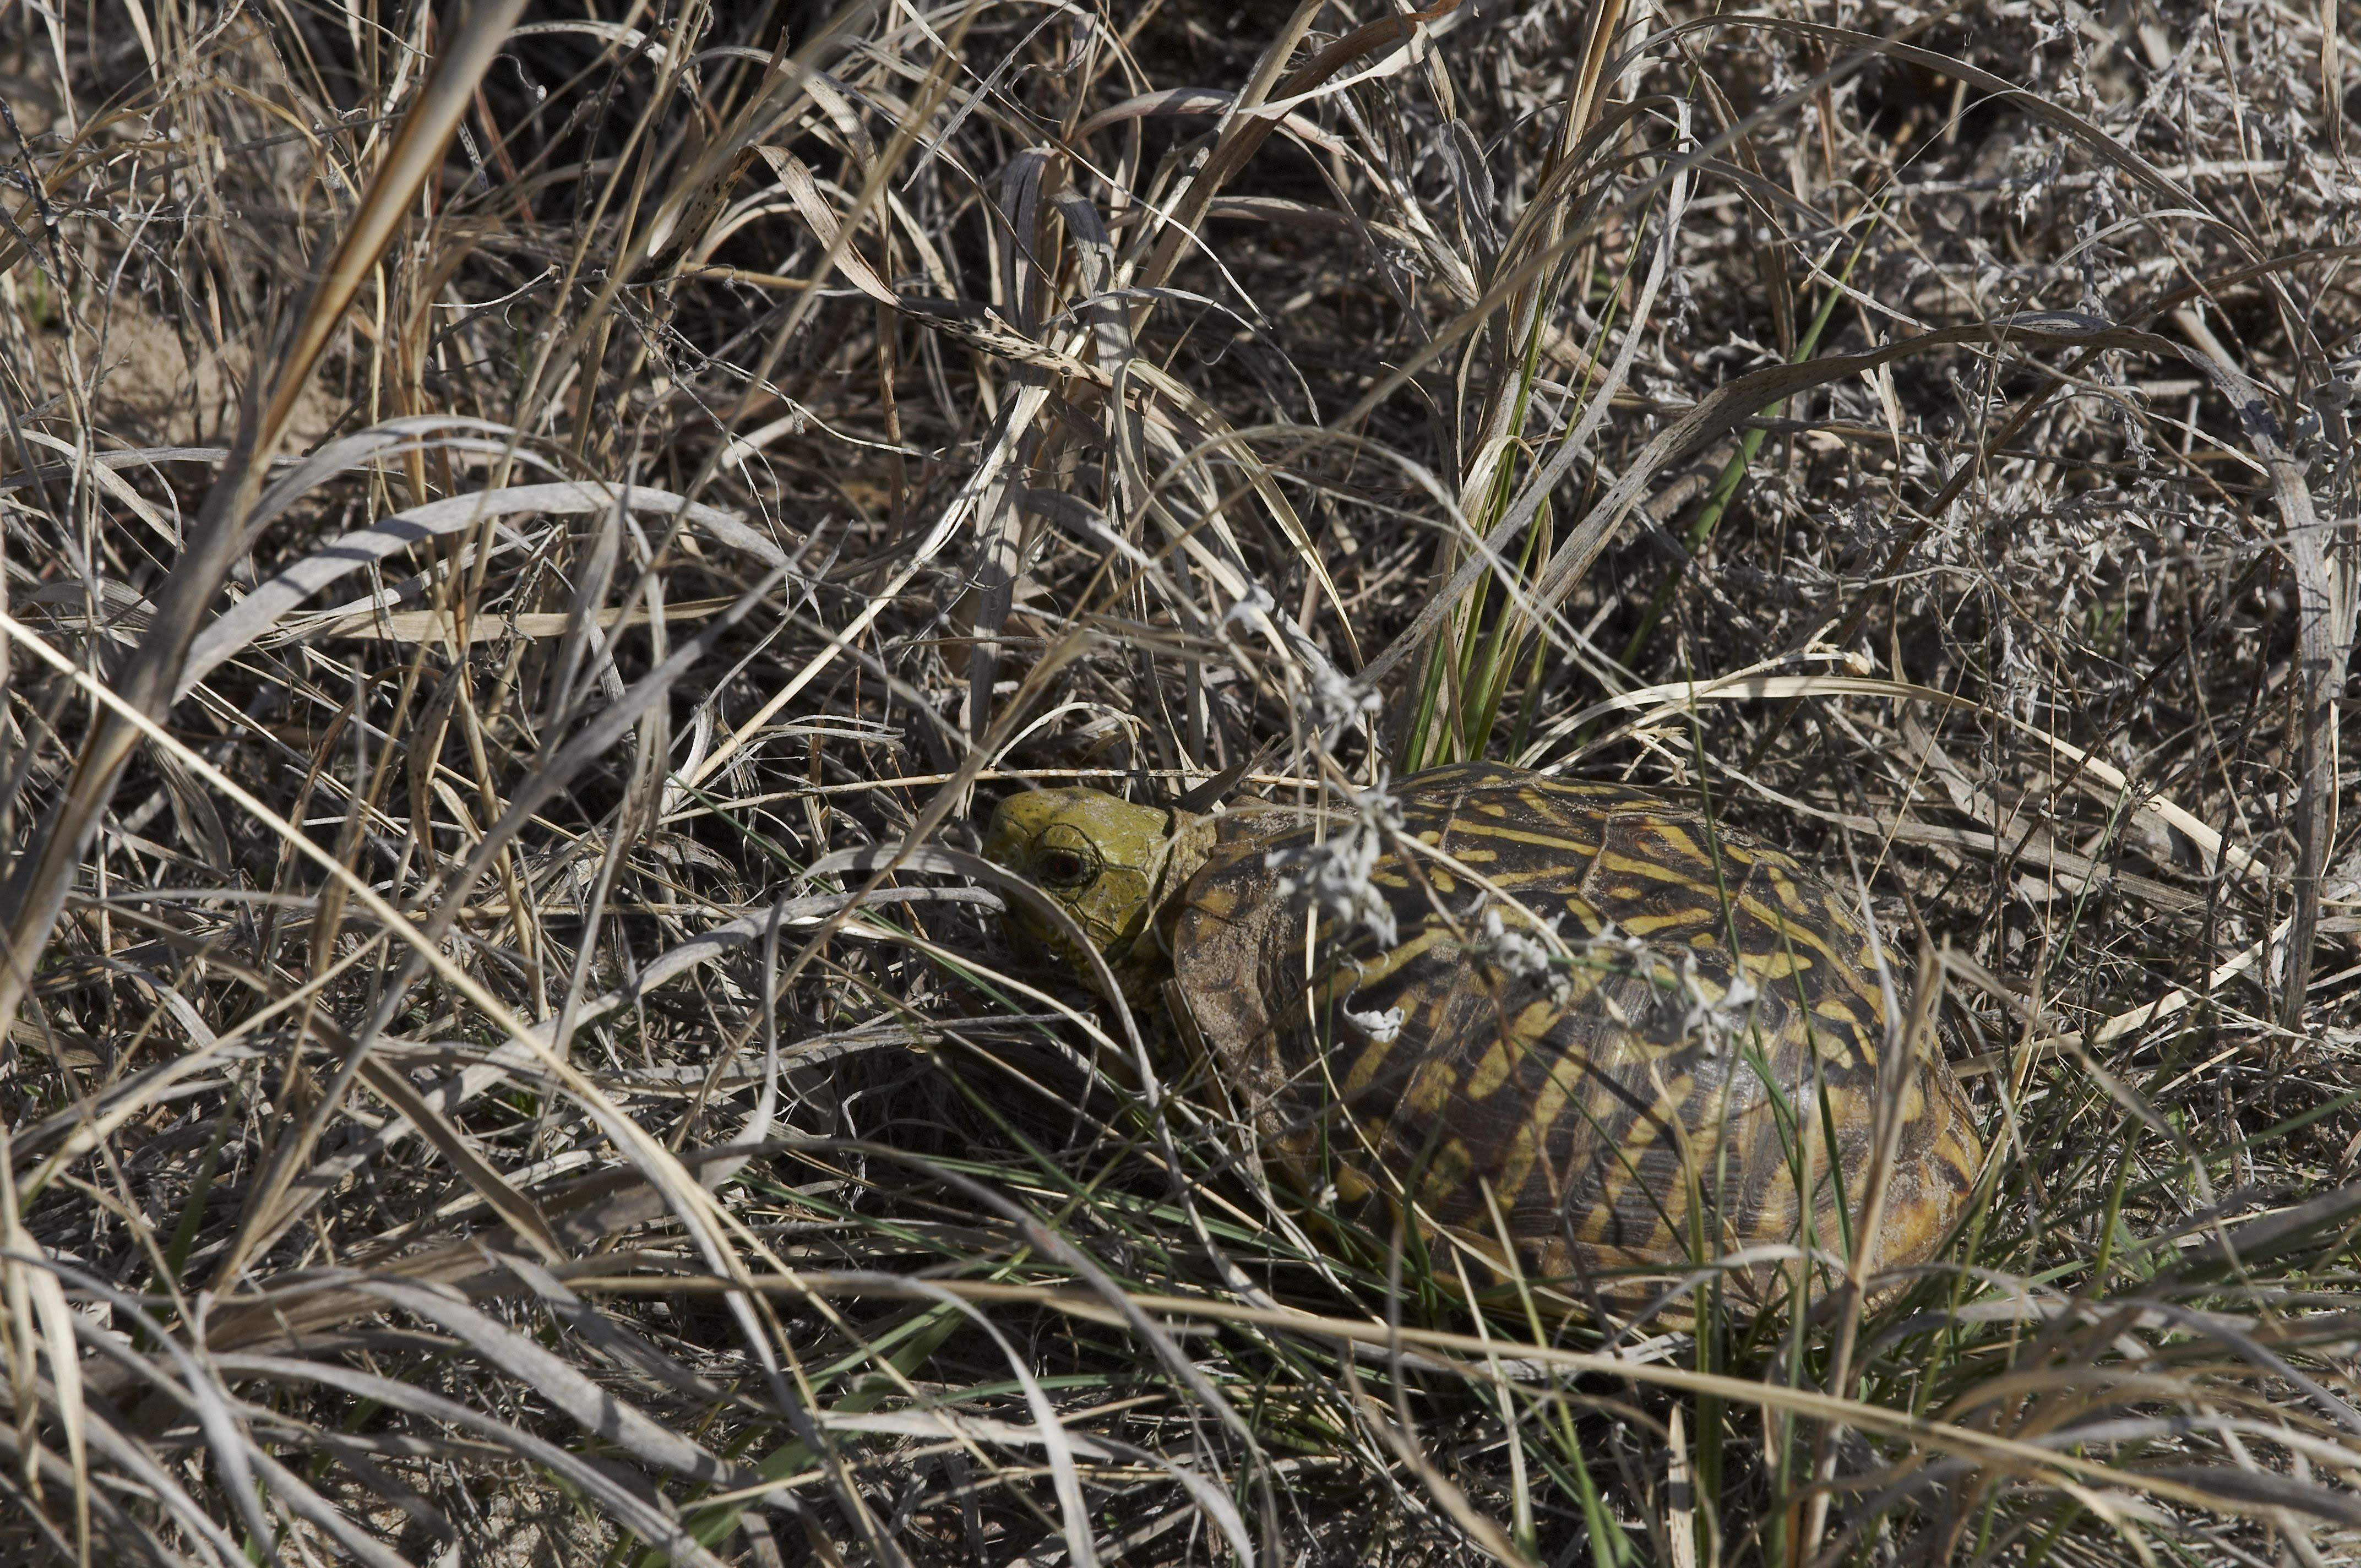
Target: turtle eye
{"points": [[1061, 867]]}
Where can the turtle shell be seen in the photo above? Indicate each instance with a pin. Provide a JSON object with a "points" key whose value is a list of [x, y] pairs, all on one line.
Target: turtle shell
{"points": [[1579, 1017]]}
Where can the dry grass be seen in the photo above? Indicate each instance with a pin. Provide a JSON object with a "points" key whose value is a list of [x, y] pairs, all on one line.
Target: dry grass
{"points": [[508, 632]]}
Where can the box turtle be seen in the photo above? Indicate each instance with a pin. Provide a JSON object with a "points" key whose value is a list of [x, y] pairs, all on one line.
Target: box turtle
{"points": [[1572, 1014]]}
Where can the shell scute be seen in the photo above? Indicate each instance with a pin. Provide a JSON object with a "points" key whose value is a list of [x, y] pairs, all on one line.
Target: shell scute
{"points": [[1553, 1030]]}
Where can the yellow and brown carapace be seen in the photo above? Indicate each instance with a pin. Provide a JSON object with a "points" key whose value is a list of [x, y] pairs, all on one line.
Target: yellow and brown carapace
{"points": [[1570, 1015]]}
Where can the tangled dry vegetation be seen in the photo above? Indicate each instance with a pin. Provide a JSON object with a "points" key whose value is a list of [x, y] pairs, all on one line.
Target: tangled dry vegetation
{"points": [[524, 558]]}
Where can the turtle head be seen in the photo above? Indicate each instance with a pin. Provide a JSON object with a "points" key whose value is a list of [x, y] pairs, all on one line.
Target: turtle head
{"points": [[1103, 858]]}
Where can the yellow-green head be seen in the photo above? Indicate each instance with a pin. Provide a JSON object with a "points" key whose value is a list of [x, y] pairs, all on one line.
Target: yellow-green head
{"points": [[1102, 858]]}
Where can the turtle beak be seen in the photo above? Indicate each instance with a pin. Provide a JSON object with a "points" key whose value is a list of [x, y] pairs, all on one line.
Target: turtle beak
{"points": [[1008, 841], [1027, 943]]}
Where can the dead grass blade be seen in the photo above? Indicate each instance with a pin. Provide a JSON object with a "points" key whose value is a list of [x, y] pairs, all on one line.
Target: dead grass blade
{"points": [[38, 876], [520, 1057]]}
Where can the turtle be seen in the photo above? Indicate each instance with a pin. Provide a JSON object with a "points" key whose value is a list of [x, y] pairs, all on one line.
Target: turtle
{"points": [[1579, 1028]]}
